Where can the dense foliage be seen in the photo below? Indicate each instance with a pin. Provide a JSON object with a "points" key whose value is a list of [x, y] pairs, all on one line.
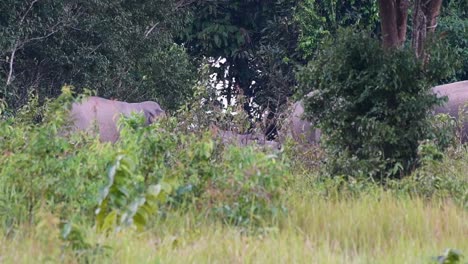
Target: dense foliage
{"points": [[263, 42], [257, 41], [181, 186], [121, 49], [454, 28], [150, 166], [318, 20], [128, 51], [372, 105]]}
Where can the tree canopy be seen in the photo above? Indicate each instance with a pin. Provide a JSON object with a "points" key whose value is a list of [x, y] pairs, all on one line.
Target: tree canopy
{"points": [[121, 49], [150, 49]]}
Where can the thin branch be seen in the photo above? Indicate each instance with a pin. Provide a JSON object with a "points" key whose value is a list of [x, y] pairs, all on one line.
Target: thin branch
{"points": [[27, 11], [183, 3], [94, 50], [19, 45], [43, 37], [10, 73], [151, 29]]}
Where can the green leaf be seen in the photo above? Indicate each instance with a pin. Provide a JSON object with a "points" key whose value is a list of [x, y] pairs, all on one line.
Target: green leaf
{"points": [[217, 41], [109, 222]]}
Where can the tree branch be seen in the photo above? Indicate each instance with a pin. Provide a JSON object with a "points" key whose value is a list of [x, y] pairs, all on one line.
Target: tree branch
{"points": [[42, 37], [151, 29], [10, 73], [20, 44], [183, 3], [27, 11]]}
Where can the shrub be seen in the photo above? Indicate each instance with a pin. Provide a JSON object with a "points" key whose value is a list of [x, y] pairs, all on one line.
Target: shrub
{"points": [[39, 167], [371, 104], [454, 27], [441, 177], [43, 168], [150, 164], [159, 163], [248, 187]]}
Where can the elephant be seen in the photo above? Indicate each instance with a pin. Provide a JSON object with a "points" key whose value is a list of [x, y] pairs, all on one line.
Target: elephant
{"points": [[269, 144], [302, 131], [235, 138], [105, 114], [245, 139], [457, 94]]}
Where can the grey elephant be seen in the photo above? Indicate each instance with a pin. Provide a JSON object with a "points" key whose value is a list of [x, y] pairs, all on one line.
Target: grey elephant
{"points": [[105, 113], [301, 130], [457, 94], [245, 139], [230, 137]]}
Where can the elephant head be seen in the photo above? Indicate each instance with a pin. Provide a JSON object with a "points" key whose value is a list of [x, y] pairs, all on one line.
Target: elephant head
{"points": [[151, 110], [104, 114], [457, 94]]}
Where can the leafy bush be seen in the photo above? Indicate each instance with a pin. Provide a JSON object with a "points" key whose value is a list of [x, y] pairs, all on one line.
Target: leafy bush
{"points": [[247, 188], [318, 20], [43, 167], [154, 164], [38, 167], [444, 130], [160, 163], [151, 163], [371, 104], [123, 202], [454, 27], [443, 178]]}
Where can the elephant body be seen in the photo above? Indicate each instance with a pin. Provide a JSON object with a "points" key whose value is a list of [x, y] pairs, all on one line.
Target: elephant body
{"points": [[457, 94], [103, 114], [230, 137], [301, 130], [245, 139]]}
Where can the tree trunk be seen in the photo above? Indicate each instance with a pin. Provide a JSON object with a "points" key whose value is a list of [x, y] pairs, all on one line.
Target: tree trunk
{"points": [[393, 20], [424, 21]]}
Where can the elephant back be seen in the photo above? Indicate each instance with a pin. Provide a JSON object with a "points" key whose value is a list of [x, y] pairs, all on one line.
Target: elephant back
{"points": [[457, 94]]}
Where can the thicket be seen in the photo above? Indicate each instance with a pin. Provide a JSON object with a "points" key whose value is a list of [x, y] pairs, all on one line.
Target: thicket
{"points": [[372, 105], [319, 20], [120, 49], [151, 170], [453, 26]]}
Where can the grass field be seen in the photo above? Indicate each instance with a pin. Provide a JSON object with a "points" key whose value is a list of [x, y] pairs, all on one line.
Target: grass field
{"points": [[378, 227]]}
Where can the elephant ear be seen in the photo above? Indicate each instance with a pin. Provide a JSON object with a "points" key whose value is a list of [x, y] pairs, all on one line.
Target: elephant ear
{"points": [[148, 116]]}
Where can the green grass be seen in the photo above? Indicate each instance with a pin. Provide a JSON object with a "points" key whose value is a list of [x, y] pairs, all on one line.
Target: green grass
{"points": [[374, 228]]}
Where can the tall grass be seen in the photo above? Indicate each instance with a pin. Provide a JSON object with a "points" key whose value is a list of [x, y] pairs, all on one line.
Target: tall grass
{"points": [[374, 228]]}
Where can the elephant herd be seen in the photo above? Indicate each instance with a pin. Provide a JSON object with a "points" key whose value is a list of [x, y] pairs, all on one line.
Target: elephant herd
{"points": [[104, 114]]}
